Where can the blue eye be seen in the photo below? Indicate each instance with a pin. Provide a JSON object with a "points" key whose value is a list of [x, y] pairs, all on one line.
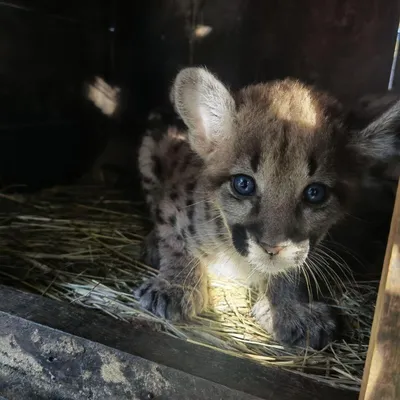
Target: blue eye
{"points": [[316, 193], [243, 185]]}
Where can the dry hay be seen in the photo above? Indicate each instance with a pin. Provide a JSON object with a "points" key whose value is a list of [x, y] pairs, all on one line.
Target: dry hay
{"points": [[83, 245]]}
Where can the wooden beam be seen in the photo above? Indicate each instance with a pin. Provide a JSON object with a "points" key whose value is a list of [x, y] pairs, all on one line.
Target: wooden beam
{"points": [[382, 370], [41, 362], [242, 375]]}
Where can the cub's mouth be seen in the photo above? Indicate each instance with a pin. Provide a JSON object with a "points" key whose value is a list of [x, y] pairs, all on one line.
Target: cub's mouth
{"points": [[279, 258], [269, 258]]}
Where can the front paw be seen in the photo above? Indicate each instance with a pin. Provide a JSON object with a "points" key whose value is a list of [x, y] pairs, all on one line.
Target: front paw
{"points": [[170, 301], [302, 324]]}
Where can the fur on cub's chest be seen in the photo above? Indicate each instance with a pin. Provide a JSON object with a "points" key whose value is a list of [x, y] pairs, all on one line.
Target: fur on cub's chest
{"points": [[185, 218], [232, 267]]}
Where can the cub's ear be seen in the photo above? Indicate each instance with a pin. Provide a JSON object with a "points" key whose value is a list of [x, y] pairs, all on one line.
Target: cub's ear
{"points": [[206, 107], [379, 142]]}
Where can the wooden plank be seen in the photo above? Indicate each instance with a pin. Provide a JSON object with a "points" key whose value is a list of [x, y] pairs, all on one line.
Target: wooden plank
{"points": [[37, 362], [382, 370], [239, 374]]}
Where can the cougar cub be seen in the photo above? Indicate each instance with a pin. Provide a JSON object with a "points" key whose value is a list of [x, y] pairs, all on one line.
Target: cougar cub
{"points": [[249, 191]]}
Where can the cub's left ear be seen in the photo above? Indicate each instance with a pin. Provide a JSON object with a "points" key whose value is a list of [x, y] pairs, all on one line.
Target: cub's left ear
{"points": [[206, 107], [379, 142]]}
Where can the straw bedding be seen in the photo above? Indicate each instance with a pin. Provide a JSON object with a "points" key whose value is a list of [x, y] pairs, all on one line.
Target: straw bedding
{"points": [[83, 245]]}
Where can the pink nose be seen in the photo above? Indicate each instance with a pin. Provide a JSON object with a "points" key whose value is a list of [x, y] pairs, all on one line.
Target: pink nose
{"points": [[272, 250]]}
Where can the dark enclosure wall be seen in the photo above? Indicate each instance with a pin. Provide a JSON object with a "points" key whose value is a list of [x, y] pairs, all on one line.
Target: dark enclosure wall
{"points": [[50, 50]]}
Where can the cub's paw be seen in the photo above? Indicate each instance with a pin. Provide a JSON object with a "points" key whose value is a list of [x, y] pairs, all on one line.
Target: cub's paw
{"points": [[303, 324], [170, 301]]}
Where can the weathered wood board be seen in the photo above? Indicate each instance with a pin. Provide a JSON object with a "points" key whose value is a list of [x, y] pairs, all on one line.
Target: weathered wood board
{"points": [[213, 367], [38, 362], [382, 370]]}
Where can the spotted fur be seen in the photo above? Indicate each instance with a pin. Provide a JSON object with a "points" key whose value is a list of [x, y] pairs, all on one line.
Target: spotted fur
{"points": [[286, 136]]}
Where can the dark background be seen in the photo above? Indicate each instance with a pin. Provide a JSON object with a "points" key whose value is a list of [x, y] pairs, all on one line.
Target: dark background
{"points": [[49, 50]]}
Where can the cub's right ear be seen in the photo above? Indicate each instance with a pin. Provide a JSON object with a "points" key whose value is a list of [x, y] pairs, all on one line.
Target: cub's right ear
{"points": [[206, 107], [379, 142]]}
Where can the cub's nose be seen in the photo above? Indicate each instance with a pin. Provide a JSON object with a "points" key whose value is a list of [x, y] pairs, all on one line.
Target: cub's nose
{"points": [[272, 250]]}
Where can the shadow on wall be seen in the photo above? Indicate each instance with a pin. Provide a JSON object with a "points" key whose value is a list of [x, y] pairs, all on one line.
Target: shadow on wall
{"points": [[49, 132]]}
